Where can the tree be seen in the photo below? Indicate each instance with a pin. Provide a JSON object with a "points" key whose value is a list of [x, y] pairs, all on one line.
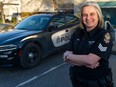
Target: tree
{"points": [[2, 12], [55, 4]]}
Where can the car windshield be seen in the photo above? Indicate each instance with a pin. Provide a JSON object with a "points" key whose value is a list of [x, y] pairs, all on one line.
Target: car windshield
{"points": [[33, 23]]}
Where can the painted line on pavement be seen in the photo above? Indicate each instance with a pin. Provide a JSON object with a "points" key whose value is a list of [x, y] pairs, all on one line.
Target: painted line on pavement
{"points": [[35, 77]]}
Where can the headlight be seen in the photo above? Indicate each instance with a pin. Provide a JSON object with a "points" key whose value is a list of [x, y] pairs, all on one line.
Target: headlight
{"points": [[8, 47]]}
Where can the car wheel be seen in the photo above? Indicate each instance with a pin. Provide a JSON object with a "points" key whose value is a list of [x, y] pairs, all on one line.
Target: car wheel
{"points": [[31, 55]]}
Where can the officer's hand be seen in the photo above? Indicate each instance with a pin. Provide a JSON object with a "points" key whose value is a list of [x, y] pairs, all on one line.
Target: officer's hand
{"points": [[66, 54], [93, 66]]}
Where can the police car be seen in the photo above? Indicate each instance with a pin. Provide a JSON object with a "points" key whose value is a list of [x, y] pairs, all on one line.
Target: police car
{"points": [[36, 37]]}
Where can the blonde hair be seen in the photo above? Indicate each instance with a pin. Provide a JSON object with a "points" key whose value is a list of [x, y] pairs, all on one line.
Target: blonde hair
{"points": [[98, 10]]}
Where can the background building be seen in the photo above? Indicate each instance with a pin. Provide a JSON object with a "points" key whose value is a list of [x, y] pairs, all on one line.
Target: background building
{"points": [[14, 7]]}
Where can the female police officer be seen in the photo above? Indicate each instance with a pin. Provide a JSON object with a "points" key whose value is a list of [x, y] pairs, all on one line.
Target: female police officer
{"points": [[89, 50]]}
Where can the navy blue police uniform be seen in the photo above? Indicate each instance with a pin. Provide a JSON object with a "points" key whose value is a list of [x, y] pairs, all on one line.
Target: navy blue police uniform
{"points": [[97, 41]]}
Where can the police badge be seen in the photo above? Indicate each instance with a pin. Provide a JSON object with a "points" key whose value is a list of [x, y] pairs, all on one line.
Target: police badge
{"points": [[107, 38]]}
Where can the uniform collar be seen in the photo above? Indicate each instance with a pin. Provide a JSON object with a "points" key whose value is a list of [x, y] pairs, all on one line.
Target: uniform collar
{"points": [[92, 32]]}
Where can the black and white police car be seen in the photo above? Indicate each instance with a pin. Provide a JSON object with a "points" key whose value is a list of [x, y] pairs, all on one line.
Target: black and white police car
{"points": [[36, 37]]}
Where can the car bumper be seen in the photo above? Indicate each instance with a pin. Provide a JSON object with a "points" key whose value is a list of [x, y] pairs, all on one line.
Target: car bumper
{"points": [[9, 57]]}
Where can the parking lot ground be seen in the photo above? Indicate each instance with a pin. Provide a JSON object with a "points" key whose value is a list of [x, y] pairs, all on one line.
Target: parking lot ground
{"points": [[55, 77], [51, 72], [59, 76], [113, 66]]}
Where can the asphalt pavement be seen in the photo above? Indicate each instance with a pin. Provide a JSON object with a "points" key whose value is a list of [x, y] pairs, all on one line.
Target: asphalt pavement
{"points": [[59, 77], [51, 72]]}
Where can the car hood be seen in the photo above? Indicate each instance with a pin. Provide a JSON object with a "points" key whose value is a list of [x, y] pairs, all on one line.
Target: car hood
{"points": [[13, 35]]}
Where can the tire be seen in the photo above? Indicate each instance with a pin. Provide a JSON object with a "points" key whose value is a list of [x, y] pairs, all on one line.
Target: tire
{"points": [[31, 55]]}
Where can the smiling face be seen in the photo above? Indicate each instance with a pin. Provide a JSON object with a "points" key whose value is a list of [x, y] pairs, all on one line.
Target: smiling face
{"points": [[90, 17]]}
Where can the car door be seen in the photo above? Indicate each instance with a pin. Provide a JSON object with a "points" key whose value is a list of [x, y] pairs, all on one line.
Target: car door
{"points": [[56, 32], [60, 31]]}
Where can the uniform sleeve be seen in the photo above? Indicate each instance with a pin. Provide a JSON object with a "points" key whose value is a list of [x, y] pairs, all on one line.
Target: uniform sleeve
{"points": [[70, 46], [103, 46]]}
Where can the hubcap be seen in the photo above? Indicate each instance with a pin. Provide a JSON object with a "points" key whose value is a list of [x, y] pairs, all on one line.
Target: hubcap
{"points": [[31, 57]]}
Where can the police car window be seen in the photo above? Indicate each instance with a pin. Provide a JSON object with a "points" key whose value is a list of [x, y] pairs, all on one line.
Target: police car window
{"points": [[71, 19], [59, 21]]}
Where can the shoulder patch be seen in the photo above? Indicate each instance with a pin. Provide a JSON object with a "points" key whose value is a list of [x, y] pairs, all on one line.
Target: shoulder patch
{"points": [[107, 38], [102, 48]]}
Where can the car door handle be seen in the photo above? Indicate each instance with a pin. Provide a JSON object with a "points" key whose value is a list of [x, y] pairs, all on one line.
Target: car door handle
{"points": [[66, 30]]}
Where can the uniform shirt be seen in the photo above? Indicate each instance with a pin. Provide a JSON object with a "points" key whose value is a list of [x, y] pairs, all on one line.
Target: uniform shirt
{"points": [[97, 41]]}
